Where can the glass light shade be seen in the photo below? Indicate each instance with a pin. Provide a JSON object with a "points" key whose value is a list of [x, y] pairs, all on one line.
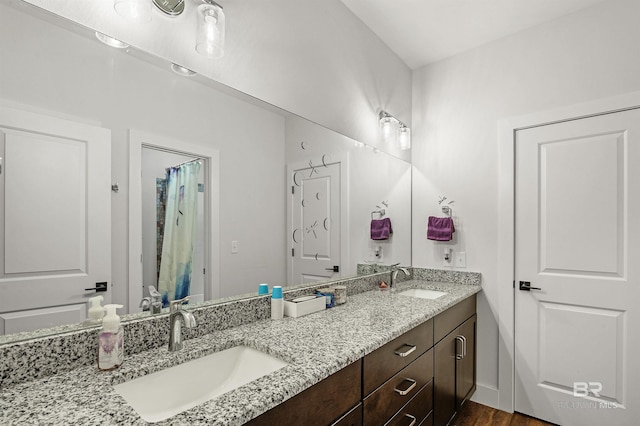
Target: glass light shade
{"points": [[137, 11], [404, 138], [386, 124], [210, 35]]}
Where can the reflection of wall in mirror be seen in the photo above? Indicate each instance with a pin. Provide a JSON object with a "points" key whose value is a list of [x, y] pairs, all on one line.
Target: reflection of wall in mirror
{"points": [[111, 88], [372, 177]]}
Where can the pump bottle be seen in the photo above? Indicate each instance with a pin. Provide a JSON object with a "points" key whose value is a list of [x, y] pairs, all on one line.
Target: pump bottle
{"points": [[110, 340], [96, 311]]}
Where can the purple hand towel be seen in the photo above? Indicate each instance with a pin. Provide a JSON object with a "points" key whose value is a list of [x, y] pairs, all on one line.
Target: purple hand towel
{"points": [[381, 229], [440, 228]]}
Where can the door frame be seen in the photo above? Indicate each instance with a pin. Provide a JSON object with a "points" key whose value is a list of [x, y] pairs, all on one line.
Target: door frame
{"points": [[137, 141], [507, 128], [344, 209]]}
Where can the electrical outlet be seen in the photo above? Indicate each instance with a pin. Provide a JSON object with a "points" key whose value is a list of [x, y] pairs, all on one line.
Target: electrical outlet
{"points": [[447, 256], [234, 247], [461, 260]]}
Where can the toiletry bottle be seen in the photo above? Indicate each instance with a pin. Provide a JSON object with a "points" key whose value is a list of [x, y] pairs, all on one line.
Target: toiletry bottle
{"points": [[277, 303], [110, 340], [96, 311]]}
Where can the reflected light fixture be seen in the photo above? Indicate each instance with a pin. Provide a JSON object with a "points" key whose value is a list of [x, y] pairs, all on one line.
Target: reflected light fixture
{"points": [[136, 11], [110, 41], [389, 125], [211, 30], [180, 70]]}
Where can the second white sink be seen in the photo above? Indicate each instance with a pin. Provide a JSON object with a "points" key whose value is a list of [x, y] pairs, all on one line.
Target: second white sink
{"points": [[163, 394], [423, 294]]}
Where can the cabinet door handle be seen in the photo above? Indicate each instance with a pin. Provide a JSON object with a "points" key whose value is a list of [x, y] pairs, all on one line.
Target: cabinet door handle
{"points": [[407, 352], [464, 346], [412, 418], [460, 339], [407, 390]]}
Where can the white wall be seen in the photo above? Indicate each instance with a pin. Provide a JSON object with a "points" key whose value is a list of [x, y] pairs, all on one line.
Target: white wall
{"points": [[313, 58], [456, 107], [54, 71]]}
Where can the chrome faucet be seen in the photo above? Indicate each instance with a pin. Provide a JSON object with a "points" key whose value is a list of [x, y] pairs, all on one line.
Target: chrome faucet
{"points": [[175, 329], [394, 274]]}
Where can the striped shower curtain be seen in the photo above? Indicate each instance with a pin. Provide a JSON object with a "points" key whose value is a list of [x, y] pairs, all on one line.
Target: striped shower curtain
{"points": [[179, 232]]}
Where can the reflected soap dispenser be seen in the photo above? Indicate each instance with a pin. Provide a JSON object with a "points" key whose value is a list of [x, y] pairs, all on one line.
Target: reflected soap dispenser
{"points": [[110, 340], [96, 311]]}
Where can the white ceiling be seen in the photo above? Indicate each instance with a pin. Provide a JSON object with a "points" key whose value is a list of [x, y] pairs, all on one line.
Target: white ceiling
{"points": [[426, 31]]}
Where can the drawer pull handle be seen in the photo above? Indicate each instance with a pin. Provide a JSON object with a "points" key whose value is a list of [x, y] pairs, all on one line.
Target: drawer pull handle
{"points": [[407, 352], [412, 418], [407, 390], [463, 346]]}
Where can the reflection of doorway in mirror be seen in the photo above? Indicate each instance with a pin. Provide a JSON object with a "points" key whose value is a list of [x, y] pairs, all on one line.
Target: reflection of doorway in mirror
{"points": [[314, 223], [154, 164]]}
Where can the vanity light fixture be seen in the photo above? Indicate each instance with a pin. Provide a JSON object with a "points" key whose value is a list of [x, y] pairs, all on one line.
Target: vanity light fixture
{"points": [[136, 11], [180, 70], [391, 126], [110, 41], [404, 137], [211, 29]]}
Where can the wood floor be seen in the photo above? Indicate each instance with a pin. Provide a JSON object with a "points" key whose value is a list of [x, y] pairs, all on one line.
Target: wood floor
{"points": [[474, 414]]}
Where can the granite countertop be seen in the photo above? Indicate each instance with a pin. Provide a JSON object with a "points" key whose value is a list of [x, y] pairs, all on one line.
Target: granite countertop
{"points": [[315, 346]]}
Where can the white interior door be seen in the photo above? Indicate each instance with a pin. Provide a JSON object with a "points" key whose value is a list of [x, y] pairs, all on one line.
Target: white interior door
{"points": [[577, 345], [55, 219], [314, 227]]}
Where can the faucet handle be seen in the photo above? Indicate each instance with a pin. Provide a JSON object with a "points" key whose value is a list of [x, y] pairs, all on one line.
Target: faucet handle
{"points": [[175, 305]]}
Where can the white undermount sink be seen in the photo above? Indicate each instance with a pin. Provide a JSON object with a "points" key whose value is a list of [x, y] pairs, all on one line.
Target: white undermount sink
{"points": [[423, 294], [163, 394]]}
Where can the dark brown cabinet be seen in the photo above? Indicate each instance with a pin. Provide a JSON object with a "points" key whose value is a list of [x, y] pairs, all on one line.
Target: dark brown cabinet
{"points": [[383, 403], [322, 404], [454, 362]]}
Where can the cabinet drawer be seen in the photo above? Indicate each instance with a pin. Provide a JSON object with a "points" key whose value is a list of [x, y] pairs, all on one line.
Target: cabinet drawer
{"points": [[382, 404], [384, 362], [448, 320], [417, 410], [321, 404], [352, 418]]}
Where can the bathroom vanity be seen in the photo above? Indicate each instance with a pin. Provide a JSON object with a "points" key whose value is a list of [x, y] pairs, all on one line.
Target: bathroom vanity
{"points": [[406, 381], [382, 356]]}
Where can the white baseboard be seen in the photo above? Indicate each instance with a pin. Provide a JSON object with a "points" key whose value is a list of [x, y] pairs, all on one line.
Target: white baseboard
{"points": [[486, 395]]}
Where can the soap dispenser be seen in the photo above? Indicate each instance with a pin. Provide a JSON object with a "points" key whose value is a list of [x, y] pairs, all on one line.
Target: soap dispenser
{"points": [[110, 340], [96, 311]]}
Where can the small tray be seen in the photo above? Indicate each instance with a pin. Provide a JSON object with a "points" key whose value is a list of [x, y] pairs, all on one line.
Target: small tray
{"points": [[304, 305]]}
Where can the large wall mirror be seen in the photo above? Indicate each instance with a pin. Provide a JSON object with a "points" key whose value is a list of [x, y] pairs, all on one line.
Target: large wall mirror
{"points": [[282, 200]]}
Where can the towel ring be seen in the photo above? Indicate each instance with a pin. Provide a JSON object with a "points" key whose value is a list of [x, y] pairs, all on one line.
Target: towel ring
{"points": [[447, 210], [381, 212]]}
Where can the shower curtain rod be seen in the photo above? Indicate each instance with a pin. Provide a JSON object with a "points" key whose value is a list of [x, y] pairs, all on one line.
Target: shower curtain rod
{"points": [[187, 162]]}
